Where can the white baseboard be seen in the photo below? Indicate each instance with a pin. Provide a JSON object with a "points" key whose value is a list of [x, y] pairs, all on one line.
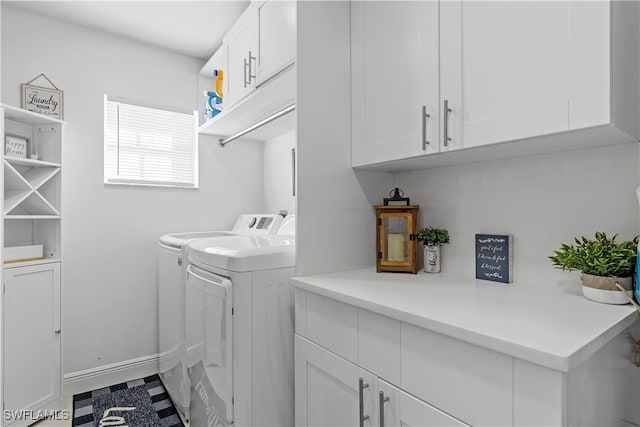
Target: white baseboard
{"points": [[103, 376]]}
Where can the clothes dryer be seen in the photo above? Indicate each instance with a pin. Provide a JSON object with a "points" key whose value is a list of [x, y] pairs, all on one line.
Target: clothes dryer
{"points": [[171, 299], [239, 340]]}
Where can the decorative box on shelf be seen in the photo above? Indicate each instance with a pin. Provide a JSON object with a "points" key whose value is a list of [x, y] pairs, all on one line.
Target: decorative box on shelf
{"points": [[15, 254]]}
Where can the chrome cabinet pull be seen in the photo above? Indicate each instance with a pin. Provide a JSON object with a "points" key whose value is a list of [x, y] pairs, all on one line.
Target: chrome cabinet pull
{"points": [[425, 116], [251, 75], [293, 172], [383, 399], [245, 72], [447, 110], [361, 387]]}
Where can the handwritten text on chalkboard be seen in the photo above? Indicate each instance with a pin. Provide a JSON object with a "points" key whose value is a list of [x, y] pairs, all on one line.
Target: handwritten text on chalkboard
{"points": [[494, 257]]}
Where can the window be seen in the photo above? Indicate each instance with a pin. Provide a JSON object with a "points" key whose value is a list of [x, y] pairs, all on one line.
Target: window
{"points": [[149, 146]]}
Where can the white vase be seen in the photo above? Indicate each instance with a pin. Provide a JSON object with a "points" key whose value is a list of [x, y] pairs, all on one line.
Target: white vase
{"points": [[603, 289], [432, 258]]}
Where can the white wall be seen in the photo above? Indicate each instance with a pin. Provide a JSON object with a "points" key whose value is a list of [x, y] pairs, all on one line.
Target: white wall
{"points": [[110, 233], [542, 200], [335, 226], [278, 176]]}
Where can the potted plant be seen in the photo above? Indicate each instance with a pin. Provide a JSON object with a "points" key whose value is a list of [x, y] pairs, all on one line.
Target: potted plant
{"points": [[432, 238], [603, 263]]}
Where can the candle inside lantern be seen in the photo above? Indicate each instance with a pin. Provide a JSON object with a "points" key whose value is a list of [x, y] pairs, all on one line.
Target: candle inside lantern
{"points": [[396, 243]]}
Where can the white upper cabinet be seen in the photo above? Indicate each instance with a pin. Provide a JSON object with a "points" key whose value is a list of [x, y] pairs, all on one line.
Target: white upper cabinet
{"points": [[542, 75], [259, 80], [395, 78], [276, 37], [241, 50], [513, 70]]}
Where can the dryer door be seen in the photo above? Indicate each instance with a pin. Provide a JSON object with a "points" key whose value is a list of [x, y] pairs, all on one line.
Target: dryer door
{"points": [[209, 343]]}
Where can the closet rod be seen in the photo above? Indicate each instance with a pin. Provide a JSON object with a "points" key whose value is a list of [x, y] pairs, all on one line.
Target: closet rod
{"points": [[271, 118]]}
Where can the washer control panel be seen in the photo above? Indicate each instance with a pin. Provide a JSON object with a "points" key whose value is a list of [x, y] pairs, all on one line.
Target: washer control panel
{"points": [[257, 224]]}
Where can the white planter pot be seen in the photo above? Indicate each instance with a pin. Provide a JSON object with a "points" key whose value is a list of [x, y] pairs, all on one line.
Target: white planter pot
{"points": [[603, 289], [432, 258]]}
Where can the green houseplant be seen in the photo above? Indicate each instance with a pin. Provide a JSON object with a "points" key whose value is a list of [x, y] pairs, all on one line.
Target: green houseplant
{"points": [[432, 238], [603, 263]]}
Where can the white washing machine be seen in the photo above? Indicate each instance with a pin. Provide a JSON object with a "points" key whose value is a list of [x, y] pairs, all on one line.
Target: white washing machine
{"points": [[239, 340], [172, 294]]}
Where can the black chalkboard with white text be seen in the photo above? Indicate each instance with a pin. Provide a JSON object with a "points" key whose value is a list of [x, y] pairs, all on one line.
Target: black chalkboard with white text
{"points": [[494, 257]]}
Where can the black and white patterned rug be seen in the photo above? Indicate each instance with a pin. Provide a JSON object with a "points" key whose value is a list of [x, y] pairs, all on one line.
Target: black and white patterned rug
{"points": [[139, 403]]}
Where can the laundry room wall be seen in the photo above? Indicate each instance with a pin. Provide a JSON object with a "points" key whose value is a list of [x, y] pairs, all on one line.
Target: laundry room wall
{"points": [[278, 174], [110, 232], [336, 221], [542, 200]]}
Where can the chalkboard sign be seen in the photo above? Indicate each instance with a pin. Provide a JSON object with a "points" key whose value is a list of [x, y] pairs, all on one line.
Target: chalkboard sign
{"points": [[494, 257]]}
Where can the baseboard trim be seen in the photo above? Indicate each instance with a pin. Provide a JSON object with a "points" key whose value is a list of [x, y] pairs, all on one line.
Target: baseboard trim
{"points": [[115, 373]]}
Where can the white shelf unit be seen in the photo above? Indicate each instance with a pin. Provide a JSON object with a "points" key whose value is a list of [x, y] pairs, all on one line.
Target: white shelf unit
{"points": [[31, 203], [32, 301]]}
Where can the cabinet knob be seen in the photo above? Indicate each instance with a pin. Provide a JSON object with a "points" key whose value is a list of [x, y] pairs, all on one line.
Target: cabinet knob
{"points": [[57, 331]]}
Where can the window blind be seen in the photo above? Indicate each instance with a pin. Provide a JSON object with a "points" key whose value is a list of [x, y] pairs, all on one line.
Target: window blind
{"points": [[149, 146]]}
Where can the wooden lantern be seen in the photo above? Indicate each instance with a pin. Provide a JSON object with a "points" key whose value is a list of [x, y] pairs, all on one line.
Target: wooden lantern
{"points": [[396, 244]]}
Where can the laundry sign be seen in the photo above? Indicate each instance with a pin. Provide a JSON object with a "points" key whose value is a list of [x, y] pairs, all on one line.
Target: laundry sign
{"points": [[494, 257], [41, 99]]}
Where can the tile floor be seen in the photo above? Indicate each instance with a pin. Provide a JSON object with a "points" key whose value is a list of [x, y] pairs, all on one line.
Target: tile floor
{"points": [[68, 406]]}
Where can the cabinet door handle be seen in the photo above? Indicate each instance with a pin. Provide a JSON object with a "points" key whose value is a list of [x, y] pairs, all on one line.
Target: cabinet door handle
{"points": [[293, 172], [246, 64], [361, 387], [425, 116], [383, 399], [447, 110], [57, 331], [251, 75]]}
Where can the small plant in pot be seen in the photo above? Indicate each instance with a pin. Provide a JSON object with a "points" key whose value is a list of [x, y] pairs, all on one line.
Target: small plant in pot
{"points": [[432, 238], [603, 263]]}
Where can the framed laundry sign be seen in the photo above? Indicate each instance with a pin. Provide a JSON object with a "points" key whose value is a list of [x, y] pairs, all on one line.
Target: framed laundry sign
{"points": [[43, 100]]}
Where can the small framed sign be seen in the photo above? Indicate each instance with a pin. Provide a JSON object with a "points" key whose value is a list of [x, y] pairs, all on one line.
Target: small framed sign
{"points": [[43, 100], [494, 257], [15, 146]]}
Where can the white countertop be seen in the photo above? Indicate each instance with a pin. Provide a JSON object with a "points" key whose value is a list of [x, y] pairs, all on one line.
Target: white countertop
{"points": [[538, 323]]}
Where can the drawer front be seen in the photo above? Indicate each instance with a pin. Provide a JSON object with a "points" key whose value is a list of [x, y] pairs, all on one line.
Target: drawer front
{"points": [[332, 325], [379, 345], [469, 382]]}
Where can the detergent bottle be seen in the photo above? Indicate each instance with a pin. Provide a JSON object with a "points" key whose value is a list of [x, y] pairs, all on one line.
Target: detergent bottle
{"points": [[214, 98]]}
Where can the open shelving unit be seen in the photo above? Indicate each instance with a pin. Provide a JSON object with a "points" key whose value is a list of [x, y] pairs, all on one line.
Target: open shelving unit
{"points": [[31, 207]]}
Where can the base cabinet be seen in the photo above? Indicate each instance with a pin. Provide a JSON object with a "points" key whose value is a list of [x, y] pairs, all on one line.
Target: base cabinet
{"points": [[32, 338], [331, 391], [415, 376]]}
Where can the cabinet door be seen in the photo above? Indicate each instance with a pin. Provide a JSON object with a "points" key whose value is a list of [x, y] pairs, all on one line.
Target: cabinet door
{"points": [[276, 37], [394, 75], [398, 408], [241, 52], [512, 70], [326, 387], [32, 369]]}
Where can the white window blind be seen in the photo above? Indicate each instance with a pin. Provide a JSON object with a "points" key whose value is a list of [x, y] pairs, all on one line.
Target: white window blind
{"points": [[149, 146]]}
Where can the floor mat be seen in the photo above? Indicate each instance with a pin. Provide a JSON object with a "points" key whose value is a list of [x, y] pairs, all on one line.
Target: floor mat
{"points": [[138, 403]]}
